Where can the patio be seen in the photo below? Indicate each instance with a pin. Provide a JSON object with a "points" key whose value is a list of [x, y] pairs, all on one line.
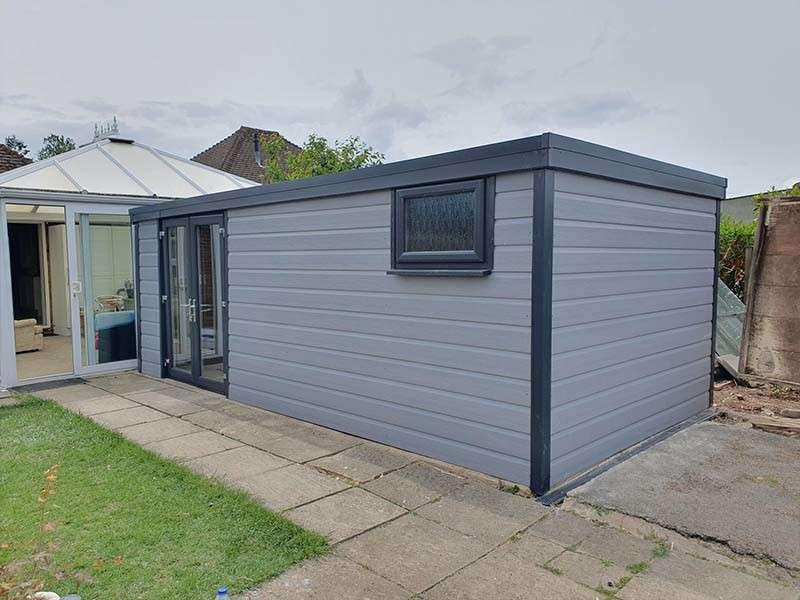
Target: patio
{"points": [[401, 525]]}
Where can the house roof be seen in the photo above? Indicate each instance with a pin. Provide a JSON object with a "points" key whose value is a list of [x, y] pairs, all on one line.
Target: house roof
{"points": [[10, 159], [116, 166], [241, 153]]}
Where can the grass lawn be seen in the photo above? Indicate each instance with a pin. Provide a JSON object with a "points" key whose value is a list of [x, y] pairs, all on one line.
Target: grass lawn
{"points": [[119, 522]]}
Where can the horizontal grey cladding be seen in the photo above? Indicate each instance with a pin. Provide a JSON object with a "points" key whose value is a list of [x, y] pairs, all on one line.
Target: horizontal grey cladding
{"points": [[148, 297], [633, 273], [318, 330]]}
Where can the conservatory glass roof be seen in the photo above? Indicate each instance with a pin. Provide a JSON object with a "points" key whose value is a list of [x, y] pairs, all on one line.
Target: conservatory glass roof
{"points": [[117, 166]]}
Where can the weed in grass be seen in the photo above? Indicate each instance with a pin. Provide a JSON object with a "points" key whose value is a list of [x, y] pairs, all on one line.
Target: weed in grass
{"points": [[607, 563], [637, 568]]}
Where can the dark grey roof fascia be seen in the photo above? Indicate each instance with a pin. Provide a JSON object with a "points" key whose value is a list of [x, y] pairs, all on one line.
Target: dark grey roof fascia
{"points": [[538, 152]]}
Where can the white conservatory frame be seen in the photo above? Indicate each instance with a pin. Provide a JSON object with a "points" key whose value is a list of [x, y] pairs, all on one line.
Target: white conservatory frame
{"points": [[73, 204]]}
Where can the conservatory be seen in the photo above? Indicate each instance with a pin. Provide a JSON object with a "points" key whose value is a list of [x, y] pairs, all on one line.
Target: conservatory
{"points": [[67, 295]]}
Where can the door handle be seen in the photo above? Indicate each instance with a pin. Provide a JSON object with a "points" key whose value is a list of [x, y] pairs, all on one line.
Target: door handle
{"points": [[192, 306]]}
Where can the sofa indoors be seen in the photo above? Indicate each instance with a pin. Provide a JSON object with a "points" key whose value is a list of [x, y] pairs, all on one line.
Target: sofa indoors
{"points": [[28, 335]]}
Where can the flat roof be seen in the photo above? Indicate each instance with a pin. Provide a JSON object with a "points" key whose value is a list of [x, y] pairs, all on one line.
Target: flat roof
{"points": [[545, 151]]}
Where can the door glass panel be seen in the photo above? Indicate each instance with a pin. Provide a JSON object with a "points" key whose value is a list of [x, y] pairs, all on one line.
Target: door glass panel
{"points": [[210, 301], [181, 313], [106, 295]]}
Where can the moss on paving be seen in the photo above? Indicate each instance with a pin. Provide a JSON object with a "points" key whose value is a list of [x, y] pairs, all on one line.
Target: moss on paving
{"points": [[119, 522]]}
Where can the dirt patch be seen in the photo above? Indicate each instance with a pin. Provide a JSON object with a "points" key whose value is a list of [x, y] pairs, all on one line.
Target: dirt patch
{"points": [[738, 404]]}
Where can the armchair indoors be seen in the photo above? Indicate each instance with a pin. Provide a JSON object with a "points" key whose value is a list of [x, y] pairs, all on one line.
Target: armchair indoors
{"points": [[28, 335]]}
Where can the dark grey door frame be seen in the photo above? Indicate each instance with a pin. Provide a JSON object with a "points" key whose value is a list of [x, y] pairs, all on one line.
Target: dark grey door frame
{"points": [[190, 253]]}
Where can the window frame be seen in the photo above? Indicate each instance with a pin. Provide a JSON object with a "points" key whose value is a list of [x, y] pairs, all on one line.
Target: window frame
{"points": [[478, 261]]}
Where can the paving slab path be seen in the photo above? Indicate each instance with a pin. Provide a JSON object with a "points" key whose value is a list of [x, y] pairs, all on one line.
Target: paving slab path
{"points": [[401, 526]]}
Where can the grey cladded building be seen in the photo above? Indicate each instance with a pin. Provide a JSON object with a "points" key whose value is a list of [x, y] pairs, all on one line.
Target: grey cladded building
{"points": [[527, 309]]}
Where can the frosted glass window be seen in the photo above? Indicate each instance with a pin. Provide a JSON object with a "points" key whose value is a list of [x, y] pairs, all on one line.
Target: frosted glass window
{"points": [[443, 227], [440, 223]]}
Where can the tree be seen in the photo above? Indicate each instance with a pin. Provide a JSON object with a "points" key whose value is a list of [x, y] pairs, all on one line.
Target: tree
{"points": [[316, 157], [16, 144], [55, 144]]}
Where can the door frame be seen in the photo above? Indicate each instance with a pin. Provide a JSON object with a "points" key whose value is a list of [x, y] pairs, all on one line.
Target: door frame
{"points": [[72, 210], [190, 252]]}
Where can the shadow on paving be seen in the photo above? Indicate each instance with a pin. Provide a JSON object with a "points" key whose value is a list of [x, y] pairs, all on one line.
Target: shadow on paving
{"points": [[736, 486]]}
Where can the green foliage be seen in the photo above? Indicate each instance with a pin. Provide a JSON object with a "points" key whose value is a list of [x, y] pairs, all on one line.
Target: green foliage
{"points": [[317, 157], [734, 239], [16, 144], [114, 520], [758, 199], [55, 144]]}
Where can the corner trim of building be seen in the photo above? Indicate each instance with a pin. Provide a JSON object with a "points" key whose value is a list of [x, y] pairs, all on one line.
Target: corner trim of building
{"points": [[163, 269], [541, 328], [137, 296], [226, 300], [714, 306]]}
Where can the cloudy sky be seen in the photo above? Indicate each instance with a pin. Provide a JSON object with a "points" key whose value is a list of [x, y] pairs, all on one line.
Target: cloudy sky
{"points": [[709, 85]]}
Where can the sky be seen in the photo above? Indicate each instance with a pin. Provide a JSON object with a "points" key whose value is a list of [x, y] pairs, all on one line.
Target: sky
{"points": [[714, 86]]}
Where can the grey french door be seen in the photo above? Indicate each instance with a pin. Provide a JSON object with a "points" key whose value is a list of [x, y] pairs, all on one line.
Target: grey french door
{"points": [[193, 254]]}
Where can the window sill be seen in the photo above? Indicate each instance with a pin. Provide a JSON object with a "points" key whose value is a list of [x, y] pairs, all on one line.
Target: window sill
{"points": [[440, 272]]}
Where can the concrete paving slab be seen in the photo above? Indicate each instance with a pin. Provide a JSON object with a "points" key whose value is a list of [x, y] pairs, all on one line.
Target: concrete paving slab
{"points": [[68, 393], [479, 510], [590, 571], [505, 576], [329, 578], [10, 400], [99, 405], [156, 431], [712, 579], [531, 548], [563, 528], [622, 549], [250, 433], [307, 444], [738, 486], [290, 486], [211, 419], [128, 416], [194, 445], [364, 462], [126, 383], [414, 552], [173, 401], [345, 514], [643, 587], [415, 485], [237, 463]]}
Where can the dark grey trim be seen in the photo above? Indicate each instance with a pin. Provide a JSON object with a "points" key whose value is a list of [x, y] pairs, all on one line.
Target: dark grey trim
{"points": [[714, 307], [440, 272], [538, 152], [480, 258], [541, 328], [223, 252], [136, 295], [190, 251], [163, 313], [557, 494]]}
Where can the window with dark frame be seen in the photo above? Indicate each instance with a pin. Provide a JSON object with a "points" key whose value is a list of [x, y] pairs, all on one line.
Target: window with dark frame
{"points": [[444, 229]]}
